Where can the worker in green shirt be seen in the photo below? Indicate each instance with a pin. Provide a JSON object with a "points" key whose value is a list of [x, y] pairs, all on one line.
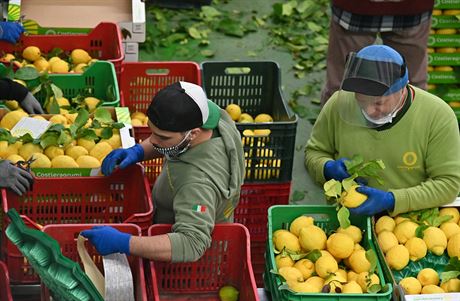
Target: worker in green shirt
{"points": [[379, 115]]}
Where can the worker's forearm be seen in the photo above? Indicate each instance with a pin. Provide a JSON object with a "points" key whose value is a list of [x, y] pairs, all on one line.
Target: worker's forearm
{"points": [[156, 247]]}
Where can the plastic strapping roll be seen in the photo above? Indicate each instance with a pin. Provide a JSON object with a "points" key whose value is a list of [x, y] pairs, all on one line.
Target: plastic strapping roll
{"points": [[118, 282]]}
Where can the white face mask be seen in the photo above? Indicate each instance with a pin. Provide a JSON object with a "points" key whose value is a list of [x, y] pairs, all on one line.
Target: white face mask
{"points": [[385, 119]]}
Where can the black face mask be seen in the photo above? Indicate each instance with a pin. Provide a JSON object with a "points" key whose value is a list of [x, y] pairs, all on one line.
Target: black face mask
{"points": [[176, 150]]}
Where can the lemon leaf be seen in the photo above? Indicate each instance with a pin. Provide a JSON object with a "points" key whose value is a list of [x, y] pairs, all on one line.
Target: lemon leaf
{"points": [[372, 258], [343, 215], [332, 188], [374, 288]]}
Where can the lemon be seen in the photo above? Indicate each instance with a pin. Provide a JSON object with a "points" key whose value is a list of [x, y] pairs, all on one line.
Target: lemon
{"points": [[405, 230], [399, 219], [397, 257], [136, 122], [306, 267], [263, 118], [303, 287], [365, 280], [352, 287], [312, 237], [452, 211], [283, 261], [59, 66], [416, 247], [88, 162], [385, 223], [352, 198], [228, 293], [12, 104], [285, 239], [64, 161], [80, 56], [7, 150], [352, 231], [299, 223], [39, 117], [14, 158], [58, 119], [316, 281], [76, 151], [234, 111], [28, 149], [53, 151], [335, 281], [8, 57], [450, 229], [451, 286], [41, 64], [31, 53], [435, 239], [61, 101], [100, 150], [41, 161], [358, 261], [138, 115], [91, 103], [245, 118], [86, 143], [428, 276], [54, 59], [114, 141], [340, 245], [352, 276], [386, 240], [291, 274], [432, 289], [325, 265], [411, 285], [453, 246], [80, 68], [10, 119]]}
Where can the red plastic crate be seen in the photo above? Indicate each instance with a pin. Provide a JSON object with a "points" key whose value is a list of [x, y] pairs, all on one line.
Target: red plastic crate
{"points": [[140, 81], [255, 199], [5, 292], [66, 236], [226, 262], [103, 43], [258, 248], [123, 197]]}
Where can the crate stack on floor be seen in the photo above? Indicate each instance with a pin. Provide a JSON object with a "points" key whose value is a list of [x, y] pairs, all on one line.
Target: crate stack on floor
{"points": [[255, 86], [75, 193], [444, 53]]}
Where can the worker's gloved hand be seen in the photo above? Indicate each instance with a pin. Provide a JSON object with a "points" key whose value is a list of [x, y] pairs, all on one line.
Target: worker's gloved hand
{"points": [[336, 170], [14, 178], [31, 105], [108, 240], [10, 31], [123, 157], [377, 201]]}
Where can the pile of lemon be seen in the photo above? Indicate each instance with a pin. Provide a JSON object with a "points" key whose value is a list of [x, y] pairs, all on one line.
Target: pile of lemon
{"points": [[342, 267], [397, 239], [79, 153], [33, 57], [139, 119]]}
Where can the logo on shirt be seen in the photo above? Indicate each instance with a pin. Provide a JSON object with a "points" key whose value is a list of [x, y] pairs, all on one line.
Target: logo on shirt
{"points": [[199, 208], [409, 160]]}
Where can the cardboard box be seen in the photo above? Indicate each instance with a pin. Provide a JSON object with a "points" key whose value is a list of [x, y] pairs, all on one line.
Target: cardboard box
{"points": [[120, 114], [69, 17], [131, 52]]}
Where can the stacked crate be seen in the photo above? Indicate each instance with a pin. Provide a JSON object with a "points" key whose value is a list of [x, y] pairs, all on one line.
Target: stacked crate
{"points": [[444, 53], [255, 86]]}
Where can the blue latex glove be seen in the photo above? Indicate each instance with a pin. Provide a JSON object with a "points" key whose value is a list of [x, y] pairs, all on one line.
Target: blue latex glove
{"points": [[336, 170], [108, 240], [10, 31], [377, 201], [123, 157]]}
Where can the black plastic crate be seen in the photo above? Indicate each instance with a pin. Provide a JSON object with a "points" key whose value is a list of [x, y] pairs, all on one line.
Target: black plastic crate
{"points": [[180, 3], [256, 87]]}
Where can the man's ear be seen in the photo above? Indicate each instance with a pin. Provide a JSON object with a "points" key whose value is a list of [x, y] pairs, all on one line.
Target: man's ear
{"points": [[195, 132]]}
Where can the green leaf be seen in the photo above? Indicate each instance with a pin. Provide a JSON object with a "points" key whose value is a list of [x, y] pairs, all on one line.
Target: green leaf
{"points": [[27, 73], [49, 138], [26, 138], [88, 134], [446, 276], [64, 138], [57, 92], [343, 215], [313, 26], [332, 188], [82, 118], [374, 288], [106, 133], [371, 256], [348, 183], [420, 229], [453, 265], [194, 33], [5, 135], [207, 53], [438, 220], [313, 255], [118, 125], [54, 107], [102, 115], [287, 9], [209, 12], [298, 196]]}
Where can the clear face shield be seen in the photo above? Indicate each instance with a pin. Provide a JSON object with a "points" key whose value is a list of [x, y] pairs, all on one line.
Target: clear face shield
{"points": [[372, 92]]}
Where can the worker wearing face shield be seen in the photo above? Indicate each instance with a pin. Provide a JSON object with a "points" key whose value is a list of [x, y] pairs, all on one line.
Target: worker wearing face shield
{"points": [[379, 115]]}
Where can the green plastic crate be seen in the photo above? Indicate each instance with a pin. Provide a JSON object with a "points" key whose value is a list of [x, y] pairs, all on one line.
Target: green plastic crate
{"points": [[99, 78], [326, 218]]}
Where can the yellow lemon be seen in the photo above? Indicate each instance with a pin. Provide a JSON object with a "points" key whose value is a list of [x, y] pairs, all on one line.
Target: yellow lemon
{"points": [[450, 229], [91, 103], [352, 287], [306, 267], [100, 150], [283, 261], [263, 118], [312, 237], [59, 66], [88, 162], [10, 119], [291, 274], [299, 223], [80, 56], [387, 240], [340, 245], [352, 231], [86, 143], [41, 161], [452, 211], [411, 285], [385, 223], [53, 151], [14, 158], [397, 257], [234, 111], [64, 161], [326, 265], [285, 239], [405, 231], [76, 151], [428, 276], [80, 68], [245, 118], [435, 239], [453, 246], [416, 247], [358, 261], [31, 53], [29, 149], [432, 289], [352, 198]]}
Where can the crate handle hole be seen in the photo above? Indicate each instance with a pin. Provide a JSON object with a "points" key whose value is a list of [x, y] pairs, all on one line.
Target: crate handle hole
{"points": [[157, 71], [237, 70]]}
